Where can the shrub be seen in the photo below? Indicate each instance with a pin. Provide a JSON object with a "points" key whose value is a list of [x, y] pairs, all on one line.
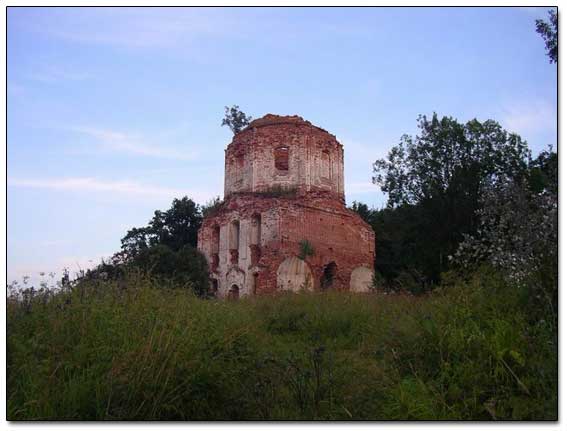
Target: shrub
{"points": [[212, 207], [186, 268], [305, 249]]}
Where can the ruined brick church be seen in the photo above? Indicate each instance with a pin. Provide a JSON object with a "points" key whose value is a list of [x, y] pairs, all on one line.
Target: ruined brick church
{"points": [[283, 224]]}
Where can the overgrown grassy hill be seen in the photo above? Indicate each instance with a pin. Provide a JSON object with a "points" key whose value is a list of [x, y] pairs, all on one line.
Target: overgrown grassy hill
{"points": [[138, 350]]}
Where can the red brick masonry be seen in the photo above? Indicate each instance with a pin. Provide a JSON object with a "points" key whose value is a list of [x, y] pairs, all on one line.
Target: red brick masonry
{"points": [[268, 210]]}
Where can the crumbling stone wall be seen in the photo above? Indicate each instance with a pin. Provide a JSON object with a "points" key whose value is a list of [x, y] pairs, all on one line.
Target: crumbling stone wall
{"points": [[252, 240], [256, 159]]}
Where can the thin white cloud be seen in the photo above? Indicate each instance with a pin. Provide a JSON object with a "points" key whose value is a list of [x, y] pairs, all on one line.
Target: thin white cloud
{"points": [[90, 185], [141, 27], [15, 89], [360, 153], [361, 187], [116, 141], [55, 242], [53, 73], [102, 134], [524, 118], [537, 11]]}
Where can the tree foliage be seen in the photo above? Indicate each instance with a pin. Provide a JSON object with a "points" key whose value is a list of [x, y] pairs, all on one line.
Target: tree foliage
{"points": [[362, 210], [548, 31], [305, 249], [174, 228], [448, 159], [186, 267], [434, 182], [518, 233], [235, 119], [164, 248], [543, 173]]}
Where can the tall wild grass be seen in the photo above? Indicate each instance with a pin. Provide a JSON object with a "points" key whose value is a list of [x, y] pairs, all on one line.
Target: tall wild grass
{"points": [[140, 349]]}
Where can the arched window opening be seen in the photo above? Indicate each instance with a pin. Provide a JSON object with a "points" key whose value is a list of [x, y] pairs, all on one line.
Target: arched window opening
{"points": [[215, 248], [256, 231], [234, 292], [214, 288], [215, 262], [329, 276], [236, 172], [255, 238], [234, 241], [216, 239], [326, 164], [281, 158]]}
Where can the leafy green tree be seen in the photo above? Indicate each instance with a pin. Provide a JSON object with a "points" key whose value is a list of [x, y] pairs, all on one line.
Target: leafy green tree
{"points": [[543, 174], [518, 235], [548, 31], [134, 242], [448, 158], [174, 228], [362, 210], [179, 225], [434, 181], [398, 240], [235, 119], [165, 248]]}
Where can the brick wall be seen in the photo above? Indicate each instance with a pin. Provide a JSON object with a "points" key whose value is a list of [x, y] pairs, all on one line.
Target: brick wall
{"points": [[255, 159], [271, 223]]}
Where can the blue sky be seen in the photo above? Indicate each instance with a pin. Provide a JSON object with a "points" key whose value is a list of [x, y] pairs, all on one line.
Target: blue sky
{"points": [[114, 112]]}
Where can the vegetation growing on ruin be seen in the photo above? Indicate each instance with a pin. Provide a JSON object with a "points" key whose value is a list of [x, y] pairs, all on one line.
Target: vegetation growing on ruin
{"points": [[235, 119], [212, 207], [305, 249]]}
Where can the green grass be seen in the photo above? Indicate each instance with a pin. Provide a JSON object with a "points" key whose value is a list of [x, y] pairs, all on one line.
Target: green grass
{"points": [[137, 351]]}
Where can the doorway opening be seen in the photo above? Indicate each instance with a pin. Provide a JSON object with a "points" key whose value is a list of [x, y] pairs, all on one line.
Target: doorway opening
{"points": [[329, 276], [234, 292]]}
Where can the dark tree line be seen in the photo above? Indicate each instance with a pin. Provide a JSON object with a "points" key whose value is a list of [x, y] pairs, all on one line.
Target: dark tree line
{"points": [[435, 183], [166, 248], [443, 183], [174, 228]]}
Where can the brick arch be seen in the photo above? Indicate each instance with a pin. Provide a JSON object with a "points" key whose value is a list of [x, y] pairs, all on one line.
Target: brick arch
{"points": [[214, 286], [236, 277], [361, 279], [294, 274]]}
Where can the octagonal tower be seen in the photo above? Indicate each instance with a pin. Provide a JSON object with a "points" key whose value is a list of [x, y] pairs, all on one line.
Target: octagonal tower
{"points": [[276, 152], [283, 224]]}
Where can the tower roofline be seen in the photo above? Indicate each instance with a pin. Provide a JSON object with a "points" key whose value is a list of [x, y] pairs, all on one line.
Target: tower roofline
{"points": [[273, 120]]}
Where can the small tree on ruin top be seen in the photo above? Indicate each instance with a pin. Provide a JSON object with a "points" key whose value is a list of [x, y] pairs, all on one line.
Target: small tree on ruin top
{"points": [[235, 119]]}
